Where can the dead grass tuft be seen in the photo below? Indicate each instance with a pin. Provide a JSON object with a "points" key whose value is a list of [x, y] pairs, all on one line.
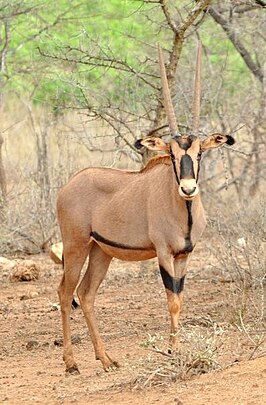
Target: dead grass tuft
{"points": [[198, 355], [27, 270]]}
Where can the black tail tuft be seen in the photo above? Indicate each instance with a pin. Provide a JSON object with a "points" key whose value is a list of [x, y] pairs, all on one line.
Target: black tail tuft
{"points": [[74, 305]]}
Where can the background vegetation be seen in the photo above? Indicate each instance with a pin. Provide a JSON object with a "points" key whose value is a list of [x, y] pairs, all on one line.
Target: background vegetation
{"points": [[79, 83]]}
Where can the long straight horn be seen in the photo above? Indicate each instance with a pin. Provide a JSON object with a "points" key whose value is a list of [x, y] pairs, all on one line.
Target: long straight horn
{"points": [[168, 105], [197, 90]]}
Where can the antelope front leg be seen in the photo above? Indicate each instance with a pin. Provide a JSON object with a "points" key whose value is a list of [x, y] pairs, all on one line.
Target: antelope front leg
{"points": [[93, 277], [173, 276]]}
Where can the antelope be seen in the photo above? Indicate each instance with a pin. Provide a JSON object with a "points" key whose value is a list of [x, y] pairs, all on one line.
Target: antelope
{"points": [[134, 215]]}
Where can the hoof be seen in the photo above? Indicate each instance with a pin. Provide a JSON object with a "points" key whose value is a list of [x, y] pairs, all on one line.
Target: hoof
{"points": [[174, 351], [112, 367], [72, 370]]}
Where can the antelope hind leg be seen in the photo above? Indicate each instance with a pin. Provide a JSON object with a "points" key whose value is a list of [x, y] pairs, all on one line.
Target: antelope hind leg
{"points": [[73, 263]]}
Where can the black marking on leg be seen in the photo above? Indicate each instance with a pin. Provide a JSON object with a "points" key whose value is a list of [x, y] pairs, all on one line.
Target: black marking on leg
{"points": [[176, 286], [101, 239]]}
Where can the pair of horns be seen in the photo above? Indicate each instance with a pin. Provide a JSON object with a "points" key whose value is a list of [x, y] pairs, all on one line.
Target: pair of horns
{"points": [[168, 105]]}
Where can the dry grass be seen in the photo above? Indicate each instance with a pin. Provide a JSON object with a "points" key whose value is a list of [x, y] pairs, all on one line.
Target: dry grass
{"points": [[234, 249], [199, 354], [240, 256]]}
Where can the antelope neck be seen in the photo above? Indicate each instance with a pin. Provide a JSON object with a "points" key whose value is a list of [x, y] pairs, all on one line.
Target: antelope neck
{"points": [[188, 242]]}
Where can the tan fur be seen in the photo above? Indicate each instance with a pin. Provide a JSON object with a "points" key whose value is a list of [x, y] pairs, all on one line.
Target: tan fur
{"points": [[138, 209], [157, 160], [132, 215]]}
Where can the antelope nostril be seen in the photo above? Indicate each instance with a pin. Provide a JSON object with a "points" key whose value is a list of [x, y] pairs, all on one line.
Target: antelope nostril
{"points": [[188, 191]]}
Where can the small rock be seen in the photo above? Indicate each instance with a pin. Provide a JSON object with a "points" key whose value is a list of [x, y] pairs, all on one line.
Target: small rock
{"points": [[76, 339], [32, 344], [58, 342], [56, 252], [55, 307], [28, 296], [6, 264]]}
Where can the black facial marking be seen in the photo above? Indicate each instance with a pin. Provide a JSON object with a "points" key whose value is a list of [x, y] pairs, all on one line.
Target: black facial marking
{"points": [[100, 238], [185, 142], [176, 286], [174, 165], [198, 159], [186, 167]]}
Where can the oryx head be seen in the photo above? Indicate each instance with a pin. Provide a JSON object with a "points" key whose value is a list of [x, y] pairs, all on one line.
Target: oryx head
{"points": [[185, 150]]}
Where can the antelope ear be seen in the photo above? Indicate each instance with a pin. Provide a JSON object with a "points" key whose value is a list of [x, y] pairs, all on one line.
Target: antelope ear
{"points": [[152, 143], [215, 141]]}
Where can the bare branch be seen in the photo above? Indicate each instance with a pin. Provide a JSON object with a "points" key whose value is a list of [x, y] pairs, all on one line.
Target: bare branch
{"points": [[177, 45], [4, 49], [168, 16], [234, 38], [104, 62], [44, 29]]}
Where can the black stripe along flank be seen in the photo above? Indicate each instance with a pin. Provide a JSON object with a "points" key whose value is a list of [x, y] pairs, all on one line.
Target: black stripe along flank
{"points": [[100, 238], [176, 286]]}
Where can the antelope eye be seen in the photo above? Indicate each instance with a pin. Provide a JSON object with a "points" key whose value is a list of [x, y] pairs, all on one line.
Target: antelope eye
{"points": [[199, 156]]}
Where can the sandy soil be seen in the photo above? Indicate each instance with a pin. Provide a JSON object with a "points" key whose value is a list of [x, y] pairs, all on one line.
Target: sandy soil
{"points": [[133, 318]]}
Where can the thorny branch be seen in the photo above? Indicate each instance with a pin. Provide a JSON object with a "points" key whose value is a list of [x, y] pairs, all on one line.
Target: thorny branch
{"points": [[232, 34], [99, 61]]}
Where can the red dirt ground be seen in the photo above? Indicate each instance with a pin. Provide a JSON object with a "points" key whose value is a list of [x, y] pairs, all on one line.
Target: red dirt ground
{"points": [[133, 318]]}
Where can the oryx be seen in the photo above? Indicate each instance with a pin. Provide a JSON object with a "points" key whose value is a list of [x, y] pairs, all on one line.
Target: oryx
{"points": [[134, 215]]}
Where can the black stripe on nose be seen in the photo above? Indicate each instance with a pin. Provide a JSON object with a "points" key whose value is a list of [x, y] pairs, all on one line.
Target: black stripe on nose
{"points": [[186, 167]]}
